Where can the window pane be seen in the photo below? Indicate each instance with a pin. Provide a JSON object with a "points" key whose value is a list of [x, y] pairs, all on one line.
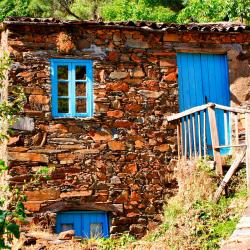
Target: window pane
{"points": [[63, 105], [62, 72], [66, 227], [80, 72], [63, 89], [96, 230], [80, 89], [81, 106]]}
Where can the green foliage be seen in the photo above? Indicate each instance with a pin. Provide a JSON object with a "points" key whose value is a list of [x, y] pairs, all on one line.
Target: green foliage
{"points": [[11, 211], [182, 11], [14, 8], [199, 223], [108, 243], [9, 109], [137, 10], [214, 11]]}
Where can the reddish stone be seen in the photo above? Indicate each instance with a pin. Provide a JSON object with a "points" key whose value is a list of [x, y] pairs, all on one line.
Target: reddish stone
{"points": [[116, 145], [43, 195], [135, 58], [171, 37], [139, 144], [115, 113], [76, 194], [131, 168], [118, 86], [66, 156], [13, 140], [134, 196], [123, 124], [167, 63], [152, 59], [170, 77], [32, 206], [112, 56], [60, 128], [101, 136], [123, 197], [163, 148], [101, 176], [138, 73], [131, 156], [133, 214], [133, 107], [33, 91], [39, 99], [151, 85], [34, 157]]}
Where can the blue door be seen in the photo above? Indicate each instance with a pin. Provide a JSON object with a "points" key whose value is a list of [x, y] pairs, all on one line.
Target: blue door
{"points": [[87, 224], [203, 78]]}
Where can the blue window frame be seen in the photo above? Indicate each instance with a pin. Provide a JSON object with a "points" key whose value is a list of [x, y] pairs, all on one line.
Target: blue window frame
{"points": [[87, 224], [72, 88]]}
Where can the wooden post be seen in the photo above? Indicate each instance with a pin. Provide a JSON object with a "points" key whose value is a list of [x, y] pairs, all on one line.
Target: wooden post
{"points": [[247, 121], [204, 135], [189, 139], [229, 174], [194, 134], [225, 127], [199, 132], [236, 128], [178, 140], [215, 139]]}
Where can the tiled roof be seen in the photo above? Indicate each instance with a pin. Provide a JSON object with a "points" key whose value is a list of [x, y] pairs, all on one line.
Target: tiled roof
{"points": [[200, 27]]}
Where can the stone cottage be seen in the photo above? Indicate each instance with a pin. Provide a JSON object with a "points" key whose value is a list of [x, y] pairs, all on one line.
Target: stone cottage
{"points": [[97, 97]]}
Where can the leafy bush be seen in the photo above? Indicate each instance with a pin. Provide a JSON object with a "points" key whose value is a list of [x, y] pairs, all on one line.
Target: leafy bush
{"points": [[11, 212]]}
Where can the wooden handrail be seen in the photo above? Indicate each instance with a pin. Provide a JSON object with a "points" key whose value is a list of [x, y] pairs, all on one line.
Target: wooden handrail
{"points": [[203, 107], [232, 109], [188, 112]]}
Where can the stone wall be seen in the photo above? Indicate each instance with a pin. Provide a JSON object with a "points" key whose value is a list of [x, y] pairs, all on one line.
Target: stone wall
{"points": [[122, 159]]}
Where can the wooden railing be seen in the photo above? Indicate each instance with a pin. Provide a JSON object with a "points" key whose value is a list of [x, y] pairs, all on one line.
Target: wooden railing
{"points": [[192, 133]]}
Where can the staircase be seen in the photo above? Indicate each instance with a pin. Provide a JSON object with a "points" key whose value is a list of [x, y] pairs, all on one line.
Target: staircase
{"points": [[193, 134]]}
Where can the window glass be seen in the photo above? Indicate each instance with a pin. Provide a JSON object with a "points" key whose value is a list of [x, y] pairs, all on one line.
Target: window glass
{"points": [[80, 72], [63, 105], [62, 72], [81, 106], [96, 230], [63, 89], [80, 89], [66, 227], [72, 90]]}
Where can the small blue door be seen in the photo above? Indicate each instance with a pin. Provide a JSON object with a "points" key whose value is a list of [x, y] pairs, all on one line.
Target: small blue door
{"points": [[203, 78], [87, 224]]}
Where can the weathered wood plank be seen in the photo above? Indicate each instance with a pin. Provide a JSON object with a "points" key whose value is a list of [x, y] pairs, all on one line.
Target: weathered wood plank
{"points": [[215, 139], [247, 122], [236, 127], [232, 109], [185, 138], [187, 112], [226, 127], [229, 174], [204, 135], [178, 141], [194, 135], [199, 132], [189, 138]]}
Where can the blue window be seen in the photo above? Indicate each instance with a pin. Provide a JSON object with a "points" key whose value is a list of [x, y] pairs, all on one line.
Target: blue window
{"points": [[72, 88], [87, 224]]}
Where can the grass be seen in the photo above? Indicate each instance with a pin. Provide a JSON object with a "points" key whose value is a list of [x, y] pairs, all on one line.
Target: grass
{"points": [[192, 221]]}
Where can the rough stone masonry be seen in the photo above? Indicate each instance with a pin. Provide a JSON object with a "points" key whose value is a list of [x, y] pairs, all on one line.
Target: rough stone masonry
{"points": [[122, 159]]}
